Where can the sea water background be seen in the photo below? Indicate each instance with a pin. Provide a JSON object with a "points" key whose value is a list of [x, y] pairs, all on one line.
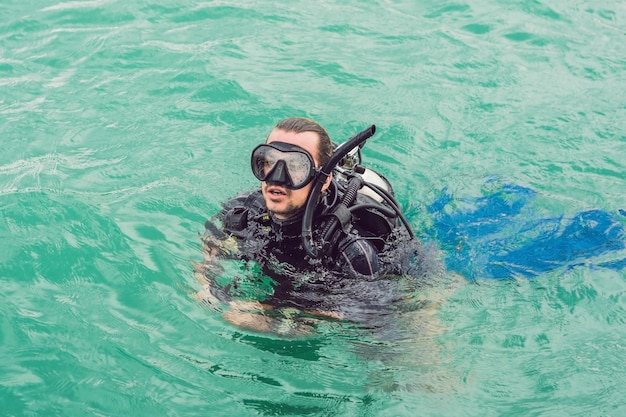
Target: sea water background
{"points": [[124, 124]]}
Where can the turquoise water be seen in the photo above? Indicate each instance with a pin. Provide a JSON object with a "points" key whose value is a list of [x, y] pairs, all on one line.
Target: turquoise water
{"points": [[124, 125]]}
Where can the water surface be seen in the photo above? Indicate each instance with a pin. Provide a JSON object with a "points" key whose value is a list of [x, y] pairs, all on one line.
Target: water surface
{"points": [[125, 124]]}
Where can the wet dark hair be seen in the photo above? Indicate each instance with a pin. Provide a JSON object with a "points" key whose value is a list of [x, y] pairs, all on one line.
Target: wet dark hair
{"points": [[300, 125]]}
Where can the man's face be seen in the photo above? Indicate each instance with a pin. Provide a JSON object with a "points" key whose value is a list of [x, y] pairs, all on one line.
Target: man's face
{"points": [[281, 201]]}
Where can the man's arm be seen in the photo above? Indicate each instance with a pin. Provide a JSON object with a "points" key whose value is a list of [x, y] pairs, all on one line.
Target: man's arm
{"points": [[217, 245]]}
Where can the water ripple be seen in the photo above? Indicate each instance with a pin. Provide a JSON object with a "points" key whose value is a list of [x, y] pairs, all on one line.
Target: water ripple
{"points": [[125, 124]]}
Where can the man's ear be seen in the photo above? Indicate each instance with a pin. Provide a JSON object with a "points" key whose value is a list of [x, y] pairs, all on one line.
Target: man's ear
{"points": [[327, 183]]}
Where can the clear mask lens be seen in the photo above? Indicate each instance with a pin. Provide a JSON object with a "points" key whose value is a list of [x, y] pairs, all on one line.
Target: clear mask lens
{"points": [[284, 164]]}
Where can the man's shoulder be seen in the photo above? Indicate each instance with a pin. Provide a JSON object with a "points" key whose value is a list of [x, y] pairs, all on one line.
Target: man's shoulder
{"points": [[237, 211]]}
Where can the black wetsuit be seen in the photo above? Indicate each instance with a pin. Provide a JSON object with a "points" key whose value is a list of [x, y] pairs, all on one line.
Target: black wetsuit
{"points": [[276, 246]]}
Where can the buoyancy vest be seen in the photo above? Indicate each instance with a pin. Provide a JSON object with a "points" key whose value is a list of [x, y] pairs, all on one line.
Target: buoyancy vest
{"points": [[365, 219]]}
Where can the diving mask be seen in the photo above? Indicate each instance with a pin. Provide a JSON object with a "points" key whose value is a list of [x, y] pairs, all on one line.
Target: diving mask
{"points": [[283, 163]]}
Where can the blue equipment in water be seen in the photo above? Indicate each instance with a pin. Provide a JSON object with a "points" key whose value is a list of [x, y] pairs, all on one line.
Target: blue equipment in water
{"points": [[499, 236]]}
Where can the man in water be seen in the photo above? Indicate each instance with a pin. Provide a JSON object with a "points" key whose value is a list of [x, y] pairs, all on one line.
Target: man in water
{"points": [[263, 228]]}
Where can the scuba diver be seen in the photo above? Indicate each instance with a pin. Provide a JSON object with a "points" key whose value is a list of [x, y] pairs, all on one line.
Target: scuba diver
{"points": [[320, 226]]}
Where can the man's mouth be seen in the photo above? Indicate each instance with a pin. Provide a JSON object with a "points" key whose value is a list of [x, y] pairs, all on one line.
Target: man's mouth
{"points": [[277, 191]]}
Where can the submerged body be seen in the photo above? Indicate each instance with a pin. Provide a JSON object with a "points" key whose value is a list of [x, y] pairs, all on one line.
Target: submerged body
{"points": [[360, 271], [309, 239]]}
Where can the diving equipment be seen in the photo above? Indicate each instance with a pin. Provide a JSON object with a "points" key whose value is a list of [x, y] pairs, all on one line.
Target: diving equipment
{"points": [[379, 207], [283, 163]]}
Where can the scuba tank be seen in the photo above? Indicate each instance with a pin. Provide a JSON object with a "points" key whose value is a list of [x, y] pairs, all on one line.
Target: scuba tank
{"points": [[351, 164], [377, 206]]}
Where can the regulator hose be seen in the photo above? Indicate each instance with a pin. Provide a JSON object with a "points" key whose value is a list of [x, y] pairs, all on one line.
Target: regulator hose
{"points": [[325, 172], [354, 185]]}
